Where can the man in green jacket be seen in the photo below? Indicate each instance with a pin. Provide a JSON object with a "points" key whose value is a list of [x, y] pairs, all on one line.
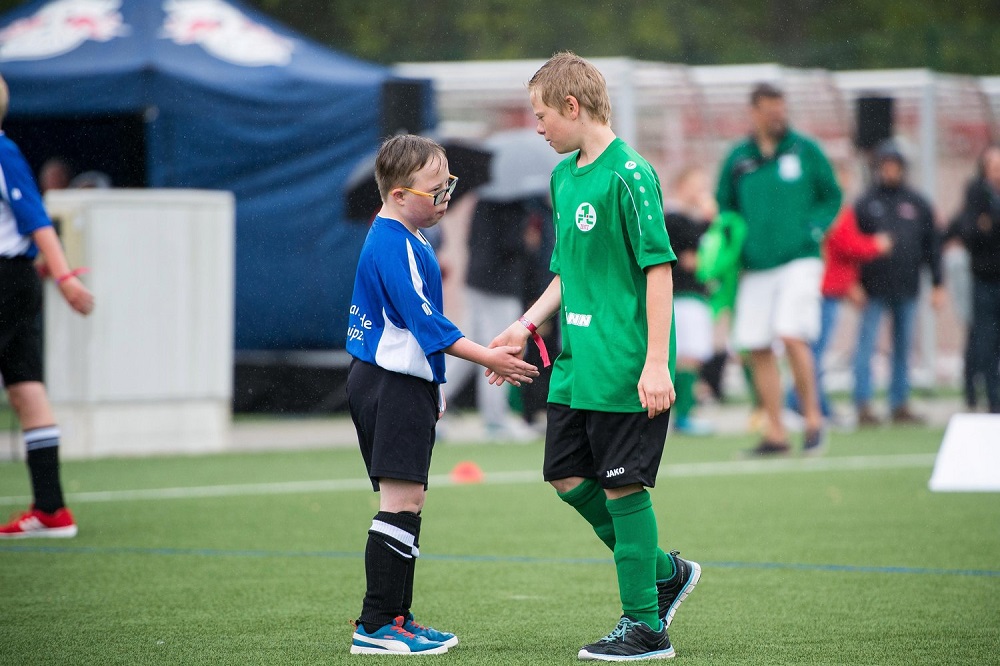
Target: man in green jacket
{"points": [[783, 186]]}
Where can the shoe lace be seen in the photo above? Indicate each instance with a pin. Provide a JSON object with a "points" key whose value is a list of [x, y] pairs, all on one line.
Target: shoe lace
{"points": [[624, 626], [397, 626]]}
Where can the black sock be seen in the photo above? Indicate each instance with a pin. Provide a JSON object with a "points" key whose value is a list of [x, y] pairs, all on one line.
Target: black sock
{"points": [[408, 588], [42, 445], [389, 561]]}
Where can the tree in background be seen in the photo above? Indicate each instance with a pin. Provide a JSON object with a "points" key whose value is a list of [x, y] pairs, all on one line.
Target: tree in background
{"points": [[960, 36]]}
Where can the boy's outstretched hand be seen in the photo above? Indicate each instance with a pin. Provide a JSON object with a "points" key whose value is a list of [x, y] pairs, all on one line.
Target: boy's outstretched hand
{"points": [[515, 335], [656, 391], [504, 363]]}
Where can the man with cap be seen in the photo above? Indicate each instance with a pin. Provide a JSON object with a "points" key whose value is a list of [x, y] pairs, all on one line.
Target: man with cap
{"points": [[892, 282]]}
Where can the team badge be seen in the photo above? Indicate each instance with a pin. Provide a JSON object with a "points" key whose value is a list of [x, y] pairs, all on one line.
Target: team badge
{"points": [[586, 217], [789, 167], [60, 27], [225, 32]]}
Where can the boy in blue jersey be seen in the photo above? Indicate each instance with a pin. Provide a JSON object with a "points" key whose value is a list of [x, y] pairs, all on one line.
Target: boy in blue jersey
{"points": [[398, 337], [26, 230]]}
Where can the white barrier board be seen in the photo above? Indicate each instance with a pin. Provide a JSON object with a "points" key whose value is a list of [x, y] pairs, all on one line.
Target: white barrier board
{"points": [[969, 457]]}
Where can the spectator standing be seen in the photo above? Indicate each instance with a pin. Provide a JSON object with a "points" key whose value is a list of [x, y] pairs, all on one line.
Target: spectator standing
{"points": [[891, 283], [55, 174], [980, 231], [783, 185], [955, 266], [689, 212], [495, 286], [846, 249]]}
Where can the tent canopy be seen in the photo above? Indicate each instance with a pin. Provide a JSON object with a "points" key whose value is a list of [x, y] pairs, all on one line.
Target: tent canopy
{"points": [[227, 99]]}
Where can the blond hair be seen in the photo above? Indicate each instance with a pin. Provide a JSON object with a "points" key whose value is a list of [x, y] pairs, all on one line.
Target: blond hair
{"points": [[400, 157], [4, 98], [567, 74]]}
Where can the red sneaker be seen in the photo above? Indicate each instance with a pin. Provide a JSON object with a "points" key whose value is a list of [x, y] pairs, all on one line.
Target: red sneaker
{"points": [[35, 523]]}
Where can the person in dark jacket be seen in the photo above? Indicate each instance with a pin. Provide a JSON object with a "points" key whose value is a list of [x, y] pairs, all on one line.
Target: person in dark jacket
{"points": [[496, 281], [979, 227], [891, 283]]}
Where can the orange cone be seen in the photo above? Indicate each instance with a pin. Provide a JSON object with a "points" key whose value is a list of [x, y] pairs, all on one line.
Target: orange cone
{"points": [[467, 472]]}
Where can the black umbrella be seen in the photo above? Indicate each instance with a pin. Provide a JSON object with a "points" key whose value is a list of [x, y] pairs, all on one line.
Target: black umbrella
{"points": [[468, 161]]}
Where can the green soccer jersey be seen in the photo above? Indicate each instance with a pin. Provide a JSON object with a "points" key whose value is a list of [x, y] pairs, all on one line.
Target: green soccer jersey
{"points": [[609, 227]]}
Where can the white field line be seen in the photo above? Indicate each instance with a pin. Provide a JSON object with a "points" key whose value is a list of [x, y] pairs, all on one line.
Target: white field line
{"points": [[729, 468]]}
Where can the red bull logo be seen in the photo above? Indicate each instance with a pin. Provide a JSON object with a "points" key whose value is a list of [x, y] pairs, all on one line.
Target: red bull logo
{"points": [[225, 32], [60, 27]]}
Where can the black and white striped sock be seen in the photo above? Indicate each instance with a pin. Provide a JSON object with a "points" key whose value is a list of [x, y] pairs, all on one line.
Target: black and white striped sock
{"points": [[42, 446], [390, 558]]}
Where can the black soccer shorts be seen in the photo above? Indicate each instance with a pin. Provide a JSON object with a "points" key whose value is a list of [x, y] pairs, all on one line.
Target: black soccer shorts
{"points": [[617, 449], [395, 416], [20, 322]]}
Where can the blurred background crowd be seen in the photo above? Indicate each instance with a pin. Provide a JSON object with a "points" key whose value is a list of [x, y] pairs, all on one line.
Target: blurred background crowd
{"points": [[217, 95]]}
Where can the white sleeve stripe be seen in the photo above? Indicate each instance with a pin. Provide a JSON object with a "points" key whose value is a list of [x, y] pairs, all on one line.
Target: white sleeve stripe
{"points": [[634, 207], [3, 185], [418, 282]]}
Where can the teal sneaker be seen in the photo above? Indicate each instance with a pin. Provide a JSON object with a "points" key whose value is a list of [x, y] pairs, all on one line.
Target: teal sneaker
{"points": [[393, 639], [448, 639], [672, 592], [630, 641]]}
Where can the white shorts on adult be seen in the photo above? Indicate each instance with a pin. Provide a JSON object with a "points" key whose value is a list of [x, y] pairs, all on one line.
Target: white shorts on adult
{"points": [[693, 317], [781, 302]]}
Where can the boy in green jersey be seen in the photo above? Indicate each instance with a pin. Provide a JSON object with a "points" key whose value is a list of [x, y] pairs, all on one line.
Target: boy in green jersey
{"points": [[612, 386]]}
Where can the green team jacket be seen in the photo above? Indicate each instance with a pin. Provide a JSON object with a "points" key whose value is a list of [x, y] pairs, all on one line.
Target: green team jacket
{"points": [[788, 200]]}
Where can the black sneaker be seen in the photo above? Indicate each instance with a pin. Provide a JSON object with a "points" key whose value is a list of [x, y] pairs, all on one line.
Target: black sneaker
{"points": [[768, 449], [673, 591], [630, 641], [814, 442]]}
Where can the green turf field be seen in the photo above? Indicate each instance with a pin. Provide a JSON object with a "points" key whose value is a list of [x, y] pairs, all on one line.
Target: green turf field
{"points": [[256, 559]]}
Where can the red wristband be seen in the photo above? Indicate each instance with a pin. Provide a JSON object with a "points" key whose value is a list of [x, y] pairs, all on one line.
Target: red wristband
{"points": [[71, 274], [538, 340]]}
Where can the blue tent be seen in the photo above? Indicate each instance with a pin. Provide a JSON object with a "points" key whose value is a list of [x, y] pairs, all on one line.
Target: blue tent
{"points": [[226, 99]]}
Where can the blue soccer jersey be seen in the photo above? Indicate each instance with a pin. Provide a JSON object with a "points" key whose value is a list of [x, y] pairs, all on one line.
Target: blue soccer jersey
{"points": [[21, 210], [396, 321]]}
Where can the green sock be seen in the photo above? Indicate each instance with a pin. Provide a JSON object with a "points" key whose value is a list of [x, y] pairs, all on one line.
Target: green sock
{"points": [[590, 502], [635, 556], [684, 386], [664, 566]]}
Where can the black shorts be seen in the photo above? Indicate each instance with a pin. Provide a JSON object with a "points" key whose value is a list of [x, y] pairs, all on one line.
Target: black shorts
{"points": [[395, 416], [20, 321], [616, 449]]}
